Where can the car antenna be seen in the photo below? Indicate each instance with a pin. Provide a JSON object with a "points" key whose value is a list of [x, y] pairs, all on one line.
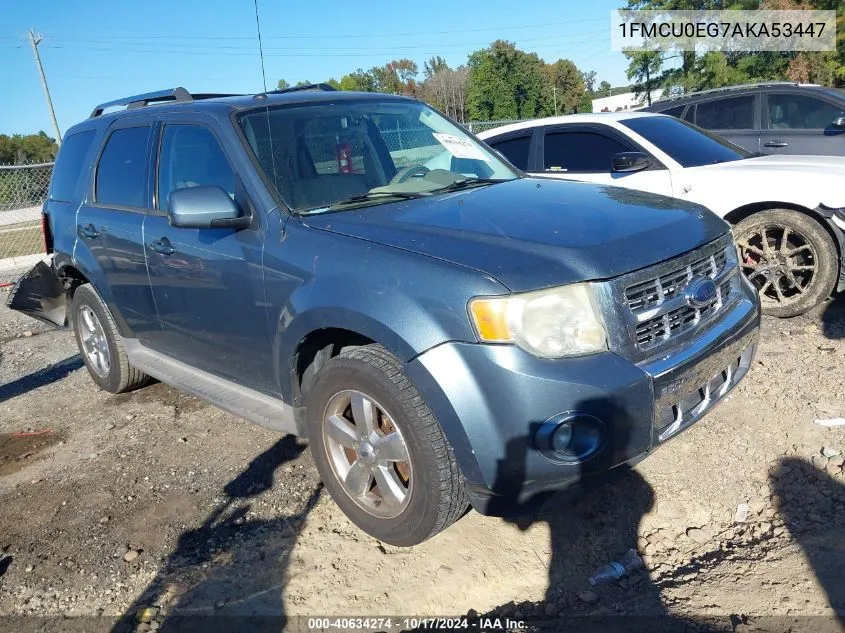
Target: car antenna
{"points": [[266, 105], [260, 47]]}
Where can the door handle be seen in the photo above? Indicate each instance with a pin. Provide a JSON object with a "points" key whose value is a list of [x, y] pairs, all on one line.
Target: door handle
{"points": [[775, 144], [162, 246], [89, 231]]}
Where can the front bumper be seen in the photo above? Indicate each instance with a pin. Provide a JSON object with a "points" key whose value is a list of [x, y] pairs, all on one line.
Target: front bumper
{"points": [[492, 400]]}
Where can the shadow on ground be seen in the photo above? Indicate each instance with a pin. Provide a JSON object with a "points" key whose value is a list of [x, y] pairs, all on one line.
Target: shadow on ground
{"points": [[833, 317], [228, 574], [40, 378]]}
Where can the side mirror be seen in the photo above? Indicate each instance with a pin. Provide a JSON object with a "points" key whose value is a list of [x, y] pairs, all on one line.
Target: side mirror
{"points": [[839, 121], [207, 207], [630, 161]]}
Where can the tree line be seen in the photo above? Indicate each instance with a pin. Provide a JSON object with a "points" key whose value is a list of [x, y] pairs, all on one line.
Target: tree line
{"points": [[717, 69], [20, 149], [497, 82]]}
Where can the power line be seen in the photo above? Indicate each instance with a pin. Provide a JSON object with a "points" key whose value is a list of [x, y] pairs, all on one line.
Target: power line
{"points": [[301, 36], [343, 50]]}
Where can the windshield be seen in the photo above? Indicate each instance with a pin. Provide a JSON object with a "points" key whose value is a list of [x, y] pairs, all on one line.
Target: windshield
{"points": [[322, 157], [686, 143]]}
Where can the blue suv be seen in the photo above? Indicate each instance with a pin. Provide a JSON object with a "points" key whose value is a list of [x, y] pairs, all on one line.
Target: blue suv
{"points": [[358, 269]]}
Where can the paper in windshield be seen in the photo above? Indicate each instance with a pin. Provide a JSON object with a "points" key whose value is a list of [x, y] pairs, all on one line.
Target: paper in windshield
{"points": [[460, 147]]}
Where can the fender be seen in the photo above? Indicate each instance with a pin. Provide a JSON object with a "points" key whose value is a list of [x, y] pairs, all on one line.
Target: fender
{"points": [[315, 306]]}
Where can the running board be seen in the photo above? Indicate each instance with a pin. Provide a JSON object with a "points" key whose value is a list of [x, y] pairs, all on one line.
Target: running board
{"points": [[251, 405]]}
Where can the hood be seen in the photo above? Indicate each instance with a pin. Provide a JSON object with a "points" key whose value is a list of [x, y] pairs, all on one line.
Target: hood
{"points": [[834, 165], [534, 233], [805, 180]]}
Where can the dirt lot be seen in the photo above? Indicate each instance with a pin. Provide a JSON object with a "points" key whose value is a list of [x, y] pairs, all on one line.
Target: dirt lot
{"points": [[153, 505]]}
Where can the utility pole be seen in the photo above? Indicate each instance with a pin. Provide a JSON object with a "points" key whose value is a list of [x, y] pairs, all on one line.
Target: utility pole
{"points": [[554, 95], [34, 41]]}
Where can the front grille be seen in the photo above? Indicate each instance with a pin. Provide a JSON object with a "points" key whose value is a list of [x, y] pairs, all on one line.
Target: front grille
{"points": [[647, 294], [663, 327], [657, 306]]}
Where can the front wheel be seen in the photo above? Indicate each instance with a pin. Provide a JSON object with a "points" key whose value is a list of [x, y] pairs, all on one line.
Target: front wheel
{"points": [[380, 452], [789, 257]]}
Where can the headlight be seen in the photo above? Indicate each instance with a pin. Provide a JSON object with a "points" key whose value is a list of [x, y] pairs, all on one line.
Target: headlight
{"points": [[550, 323]]}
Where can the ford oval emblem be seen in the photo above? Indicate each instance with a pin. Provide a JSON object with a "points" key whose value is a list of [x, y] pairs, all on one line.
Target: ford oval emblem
{"points": [[700, 292]]}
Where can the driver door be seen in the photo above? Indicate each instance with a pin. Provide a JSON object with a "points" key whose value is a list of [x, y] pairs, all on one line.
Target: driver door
{"points": [[207, 283], [582, 152]]}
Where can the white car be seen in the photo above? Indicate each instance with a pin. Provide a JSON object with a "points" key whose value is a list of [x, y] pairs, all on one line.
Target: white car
{"points": [[788, 211]]}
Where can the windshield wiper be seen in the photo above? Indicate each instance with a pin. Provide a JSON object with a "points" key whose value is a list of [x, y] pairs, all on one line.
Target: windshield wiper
{"points": [[367, 197], [463, 183]]}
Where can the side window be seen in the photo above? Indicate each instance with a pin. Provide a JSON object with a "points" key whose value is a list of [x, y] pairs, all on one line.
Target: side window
{"points": [[734, 113], [689, 115], [515, 149], [675, 112], [121, 172], [69, 165], [191, 157], [576, 152], [797, 112]]}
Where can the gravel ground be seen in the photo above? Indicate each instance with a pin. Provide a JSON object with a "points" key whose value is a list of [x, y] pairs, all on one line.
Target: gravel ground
{"points": [[144, 507]]}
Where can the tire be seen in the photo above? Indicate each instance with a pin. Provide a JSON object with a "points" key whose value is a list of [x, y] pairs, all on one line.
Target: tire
{"points": [[435, 495], [117, 375], [807, 260]]}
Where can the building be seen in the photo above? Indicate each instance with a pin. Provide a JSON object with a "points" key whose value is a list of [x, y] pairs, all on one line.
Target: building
{"points": [[624, 101]]}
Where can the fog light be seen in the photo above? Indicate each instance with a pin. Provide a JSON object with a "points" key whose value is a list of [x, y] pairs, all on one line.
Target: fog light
{"points": [[570, 437]]}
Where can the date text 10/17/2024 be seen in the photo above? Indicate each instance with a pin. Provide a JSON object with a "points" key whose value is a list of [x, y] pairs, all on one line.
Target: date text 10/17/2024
{"points": [[415, 623]]}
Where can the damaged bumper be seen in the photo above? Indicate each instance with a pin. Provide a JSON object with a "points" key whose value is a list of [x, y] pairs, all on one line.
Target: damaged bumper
{"points": [[40, 294]]}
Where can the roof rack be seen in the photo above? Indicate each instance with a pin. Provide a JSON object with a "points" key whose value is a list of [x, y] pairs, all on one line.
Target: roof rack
{"points": [[761, 84], [139, 101], [324, 87]]}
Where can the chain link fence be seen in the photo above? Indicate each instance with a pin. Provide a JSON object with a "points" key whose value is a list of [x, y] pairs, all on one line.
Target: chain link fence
{"points": [[23, 188]]}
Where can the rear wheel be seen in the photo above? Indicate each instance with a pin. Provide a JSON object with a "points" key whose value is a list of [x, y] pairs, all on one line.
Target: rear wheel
{"points": [[789, 257], [380, 451], [100, 343]]}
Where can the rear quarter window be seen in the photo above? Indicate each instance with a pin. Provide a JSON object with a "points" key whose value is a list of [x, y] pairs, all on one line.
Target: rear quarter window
{"points": [[70, 163]]}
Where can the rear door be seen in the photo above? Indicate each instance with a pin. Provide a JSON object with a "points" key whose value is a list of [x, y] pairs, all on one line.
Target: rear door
{"points": [[109, 225], [585, 152], [797, 123], [735, 118], [208, 283]]}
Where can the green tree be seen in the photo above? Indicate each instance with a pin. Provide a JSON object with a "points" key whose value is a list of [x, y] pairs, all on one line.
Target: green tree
{"points": [[396, 77], [604, 89], [585, 104], [507, 83], [29, 148], [644, 69], [334, 83], [567, 86], [358, 81], [283, 85], [589, 80], [302, 84], [433, 65]]}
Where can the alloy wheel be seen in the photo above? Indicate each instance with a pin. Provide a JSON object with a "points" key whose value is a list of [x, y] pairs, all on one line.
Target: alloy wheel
{"points": [[367, 453], [779, 261], [94, 343]]}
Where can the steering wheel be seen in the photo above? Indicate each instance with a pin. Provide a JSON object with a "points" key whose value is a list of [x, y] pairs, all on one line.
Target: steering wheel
{"points": [[410, 171]]}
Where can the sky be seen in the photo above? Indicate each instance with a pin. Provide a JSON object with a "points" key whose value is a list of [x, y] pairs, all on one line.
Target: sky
{"points": [[99, 50]]}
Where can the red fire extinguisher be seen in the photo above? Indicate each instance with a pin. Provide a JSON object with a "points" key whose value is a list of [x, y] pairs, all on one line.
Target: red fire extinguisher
{"points": [[344, 158]]}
